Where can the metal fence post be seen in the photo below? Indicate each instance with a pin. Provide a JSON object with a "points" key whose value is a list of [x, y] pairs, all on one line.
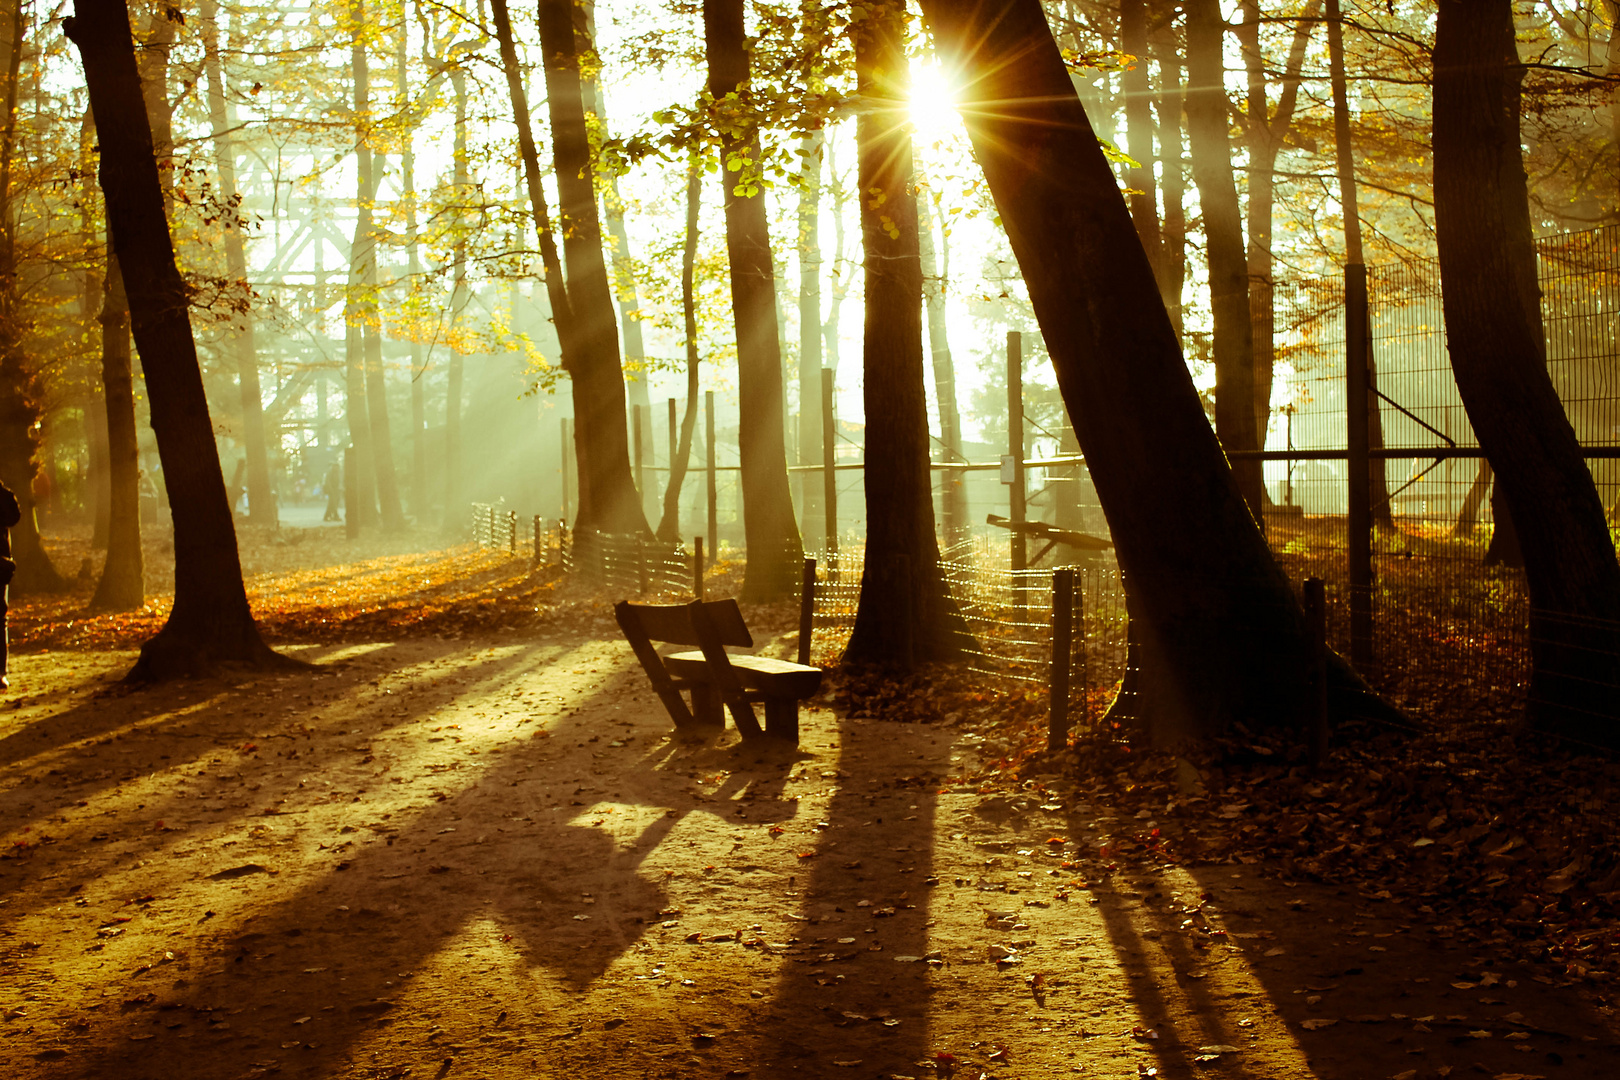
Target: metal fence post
{"points": [[1057, 727]]}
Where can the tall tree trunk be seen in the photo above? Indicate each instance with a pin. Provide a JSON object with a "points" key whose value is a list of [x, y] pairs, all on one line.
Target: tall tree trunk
{"points": [[95, 414], [1223, 628], [1173, 237], [839, 197], [1497, 344], [588, 333], [1133, 39], [669, 525], [123, 577], [261, 499], [936, 276], [1207, 128], [454, 497], [905, 614], [774, 548], [413, 257], [1468, 514], [1266, 131], [20, 410], [210, 622], [364, 270], [362, 475], [810, 492], [624, 266]]}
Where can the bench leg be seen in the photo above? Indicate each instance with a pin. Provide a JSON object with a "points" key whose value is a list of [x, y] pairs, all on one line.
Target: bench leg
{"points": [[707, 710], [782, 719]]}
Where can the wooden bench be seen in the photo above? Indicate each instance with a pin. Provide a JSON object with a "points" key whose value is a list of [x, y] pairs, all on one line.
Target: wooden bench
{"points": [[719, 681]]}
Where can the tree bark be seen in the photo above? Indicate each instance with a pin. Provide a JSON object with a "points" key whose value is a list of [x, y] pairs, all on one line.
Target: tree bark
{"points": [[95, 413], [123, 576], [669, 525], [20, 410], [1225, 632], [1173, 236], [936, 274], [810, 498], [210, 622], [454, 500], [1207, 128], [1493, 326], [1468, 514], [261, 499], [775, 552], [608, 501], [1266, 131], [363, 475], [905, 615]]}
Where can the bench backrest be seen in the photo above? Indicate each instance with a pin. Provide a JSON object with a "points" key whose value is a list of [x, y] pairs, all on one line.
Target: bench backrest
{"points": [[673, 623]]}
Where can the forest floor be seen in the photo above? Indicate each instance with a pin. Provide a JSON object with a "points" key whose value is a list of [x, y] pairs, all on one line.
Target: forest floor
{"points": [[465, 844]]}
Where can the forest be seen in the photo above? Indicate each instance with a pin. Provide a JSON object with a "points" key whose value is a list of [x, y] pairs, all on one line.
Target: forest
{"points": [[749, 538]]}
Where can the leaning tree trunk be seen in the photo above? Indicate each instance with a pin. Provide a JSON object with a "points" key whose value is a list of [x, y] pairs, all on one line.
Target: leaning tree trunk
{"points": [[669, 525], [1207, 127], [210, 622], [608, 500], [905, 614], [1498, 354], [123, 577], [774, 547], [261, 498], [1224, 632]]}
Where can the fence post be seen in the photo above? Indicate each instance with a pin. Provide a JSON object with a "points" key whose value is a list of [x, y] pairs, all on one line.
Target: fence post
{"points": [[714, 513], [697, 568], [1316, 617], [511, 533], [641, 565], [491, 525], [537, 541], [1057, 725], [829, 471], [807, 609], [636, 449]]}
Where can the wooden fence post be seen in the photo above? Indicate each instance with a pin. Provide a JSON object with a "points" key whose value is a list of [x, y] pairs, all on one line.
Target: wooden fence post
{"points": [[511, 533], [697, 568], [714, 513], [537, 541], [1057, 727]]}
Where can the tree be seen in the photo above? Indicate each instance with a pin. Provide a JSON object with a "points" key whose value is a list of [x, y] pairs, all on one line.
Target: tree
{"points": [[608, 501], [1225, 636], [123, 576], [360, 472], [20, 410], [1133, 39], [210, 622], [1167, 106], [936, 273], [261, 499], [905, 614], [669, 525], [1497, 344], [1207, 127], [810, 434], [774, 547]]}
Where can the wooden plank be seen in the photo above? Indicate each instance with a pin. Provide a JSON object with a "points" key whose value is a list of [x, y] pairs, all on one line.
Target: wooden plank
{"points": [[721, 674], [630, 621], [727, 621]]}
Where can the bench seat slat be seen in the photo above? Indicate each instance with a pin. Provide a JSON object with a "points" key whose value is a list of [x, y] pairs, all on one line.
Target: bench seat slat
{"points": [[764, 673]]}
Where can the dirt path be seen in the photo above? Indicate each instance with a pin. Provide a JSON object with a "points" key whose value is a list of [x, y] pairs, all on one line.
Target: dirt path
{"points": [[486, 858]]}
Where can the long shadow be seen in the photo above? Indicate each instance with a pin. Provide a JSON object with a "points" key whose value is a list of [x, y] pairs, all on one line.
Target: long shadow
{"points": [[396, 904], [872, 993]]}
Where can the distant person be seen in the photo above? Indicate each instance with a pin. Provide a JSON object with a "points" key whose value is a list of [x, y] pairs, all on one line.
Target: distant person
{"points": [[10, 515], [333, 487]]}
